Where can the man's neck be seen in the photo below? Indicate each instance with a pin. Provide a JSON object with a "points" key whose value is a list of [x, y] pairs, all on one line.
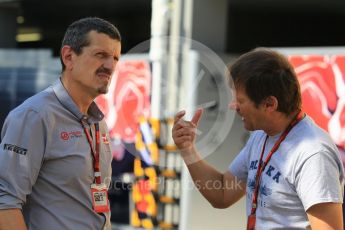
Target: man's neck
{"points": [[80, 98], [279, 123]]}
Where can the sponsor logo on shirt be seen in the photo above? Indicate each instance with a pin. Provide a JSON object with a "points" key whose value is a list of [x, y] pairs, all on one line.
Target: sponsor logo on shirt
{"points": [[15, 149], [70, 135]]}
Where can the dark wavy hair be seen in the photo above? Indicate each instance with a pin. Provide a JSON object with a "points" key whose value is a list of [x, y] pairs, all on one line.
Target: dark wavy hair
{"points": [[262, 73], [76, 35]]}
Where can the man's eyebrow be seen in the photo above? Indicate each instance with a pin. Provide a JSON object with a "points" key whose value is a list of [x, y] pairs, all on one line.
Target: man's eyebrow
{"points": [[97, 51]]}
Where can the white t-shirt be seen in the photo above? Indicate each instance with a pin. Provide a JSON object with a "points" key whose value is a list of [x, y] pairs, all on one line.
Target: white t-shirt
{"points": [[304, 171]]}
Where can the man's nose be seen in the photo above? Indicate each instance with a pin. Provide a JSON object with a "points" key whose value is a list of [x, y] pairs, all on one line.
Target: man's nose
{"points": [[233, 105], [109, 64]]}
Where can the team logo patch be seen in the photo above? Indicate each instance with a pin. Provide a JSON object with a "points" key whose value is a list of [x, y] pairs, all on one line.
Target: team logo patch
{"points": [[64, 136], [15, 149], [70, 135]]}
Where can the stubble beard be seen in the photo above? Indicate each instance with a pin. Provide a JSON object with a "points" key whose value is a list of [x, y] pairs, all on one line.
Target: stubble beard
{"points": [[103, 89]]}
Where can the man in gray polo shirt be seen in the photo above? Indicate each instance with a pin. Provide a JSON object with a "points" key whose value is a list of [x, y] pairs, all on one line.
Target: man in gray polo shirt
{"points": [[55, 158]]}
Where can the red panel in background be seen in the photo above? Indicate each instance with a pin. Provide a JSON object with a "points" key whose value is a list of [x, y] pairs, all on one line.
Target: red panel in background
{"points": [[128, 99], [322, 79]]}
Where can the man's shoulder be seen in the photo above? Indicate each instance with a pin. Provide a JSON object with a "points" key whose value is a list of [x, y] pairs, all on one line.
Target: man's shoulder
{"points": [[38, 103], [308, 140], [309, 133]]}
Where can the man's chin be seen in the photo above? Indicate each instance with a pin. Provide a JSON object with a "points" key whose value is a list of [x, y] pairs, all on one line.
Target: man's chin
{"points": [[103, 90], [248, 128]]}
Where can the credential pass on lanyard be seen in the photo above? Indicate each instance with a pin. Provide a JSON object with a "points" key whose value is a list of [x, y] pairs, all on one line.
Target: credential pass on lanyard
{"points": [[261, 168], [99, 191]]}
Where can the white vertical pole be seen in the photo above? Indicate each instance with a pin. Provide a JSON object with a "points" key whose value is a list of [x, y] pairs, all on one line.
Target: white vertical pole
{"points": [[158, 51], [186, 101], [174, 58]]}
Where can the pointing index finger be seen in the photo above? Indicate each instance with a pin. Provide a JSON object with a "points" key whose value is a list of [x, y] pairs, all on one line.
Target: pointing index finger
{"points": [[197, 115]]}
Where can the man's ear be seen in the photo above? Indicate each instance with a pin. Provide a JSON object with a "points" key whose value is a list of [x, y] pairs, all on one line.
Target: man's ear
{"points": [[66, 56], [271, 103]]}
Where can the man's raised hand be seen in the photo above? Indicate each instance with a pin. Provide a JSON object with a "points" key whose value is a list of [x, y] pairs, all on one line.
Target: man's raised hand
{"points": [[183, 132]]}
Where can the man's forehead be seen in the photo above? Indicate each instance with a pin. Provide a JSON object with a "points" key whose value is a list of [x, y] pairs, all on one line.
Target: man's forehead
{"points": [[111, 47], [239, 92]]}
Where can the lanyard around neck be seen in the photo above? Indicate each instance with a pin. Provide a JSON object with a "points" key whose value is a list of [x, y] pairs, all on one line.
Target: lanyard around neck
{"points": [[262, 164], [95, 151]]}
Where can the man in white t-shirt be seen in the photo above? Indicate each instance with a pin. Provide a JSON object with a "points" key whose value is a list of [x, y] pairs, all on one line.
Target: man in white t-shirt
{"points": [[289, 170]]}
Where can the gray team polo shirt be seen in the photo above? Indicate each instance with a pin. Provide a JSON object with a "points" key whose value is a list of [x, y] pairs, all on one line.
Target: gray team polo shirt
{"points": [[46, 166]]}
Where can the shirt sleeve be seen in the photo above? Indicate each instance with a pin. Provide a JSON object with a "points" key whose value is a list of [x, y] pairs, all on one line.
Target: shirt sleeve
{"points": [[319, 180], [239, 166], [22, 147]]}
